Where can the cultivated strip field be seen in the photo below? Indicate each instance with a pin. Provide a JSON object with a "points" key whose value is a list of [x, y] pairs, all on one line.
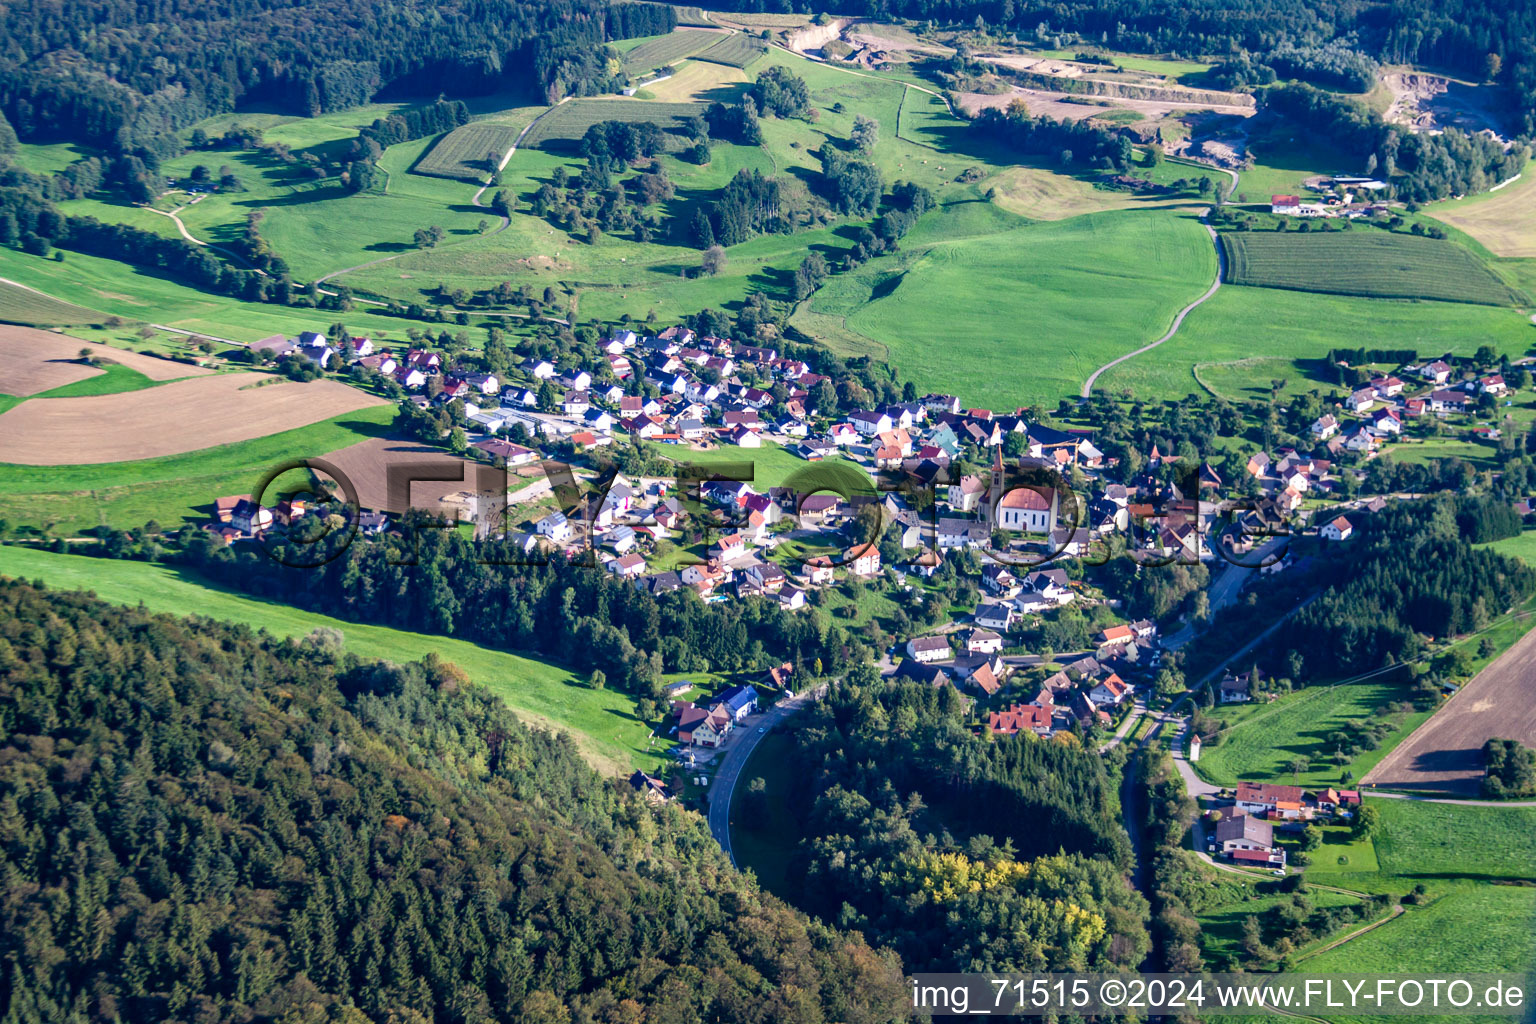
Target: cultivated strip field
{"points": [[1504, 221], [1363, 262], [469, 152], [22, 305], [1445, 754], [668, 49], [570, 121], [182, 416], [739, 51], [36, 361]]}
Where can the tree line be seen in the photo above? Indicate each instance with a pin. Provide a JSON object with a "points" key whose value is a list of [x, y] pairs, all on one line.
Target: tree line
{"points": [[1411, 571]]}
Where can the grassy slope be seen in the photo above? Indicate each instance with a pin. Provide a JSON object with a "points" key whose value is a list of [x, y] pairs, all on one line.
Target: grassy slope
{"points": [[1043, 305], [1265, 737], [173, 488], [20, 305], [1241, 323], [602, 721], [118, 289]]}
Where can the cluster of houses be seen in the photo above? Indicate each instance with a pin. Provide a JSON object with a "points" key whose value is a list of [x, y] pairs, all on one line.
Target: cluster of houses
{"points": [[1350, 200], [1246, 833], [1088, 690], [707, 725], [1374, 413]]}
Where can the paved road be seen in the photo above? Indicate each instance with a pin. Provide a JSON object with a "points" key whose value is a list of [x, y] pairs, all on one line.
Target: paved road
{"points": [[1221, 269], [735, 758], [1225, 587]]}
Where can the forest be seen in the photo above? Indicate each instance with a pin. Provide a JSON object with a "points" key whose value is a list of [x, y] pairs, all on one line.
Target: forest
{"points": [[122, 77], [961, 852], [1420, 166], [1412, 569], [200, 823]]}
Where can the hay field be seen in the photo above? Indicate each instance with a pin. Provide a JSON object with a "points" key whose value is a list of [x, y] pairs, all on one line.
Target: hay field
{"points": [[1504, 221], [470, 152], [22, 305], [35, 361], [184, 416]]}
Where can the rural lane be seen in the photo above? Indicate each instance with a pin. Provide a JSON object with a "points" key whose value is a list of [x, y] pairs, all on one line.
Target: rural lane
{"points": [[189, 236], [1221, 268], [723, 788]]}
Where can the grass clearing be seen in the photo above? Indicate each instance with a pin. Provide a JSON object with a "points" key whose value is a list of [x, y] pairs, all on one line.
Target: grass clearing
{"points": [[1265, 736], [470, 152], [114, 378], [570, 121], [1045, 304], [1430, 840], [1372, 263], [602, 722], [1522, 547], [653, 53], [698, 82]]}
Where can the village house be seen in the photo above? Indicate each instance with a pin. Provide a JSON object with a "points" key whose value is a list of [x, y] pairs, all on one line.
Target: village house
{"points": [[1248, 840], [1110, 691], [927, 649], [738, 702], [995, 616], [1268, 799], [703, 728], [1020, 718], [1323, 428], [1338, 529], [983, 641], [863, 560], [653, 789]]}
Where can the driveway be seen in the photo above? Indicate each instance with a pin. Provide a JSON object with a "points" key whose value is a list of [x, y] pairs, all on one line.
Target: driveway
{"points": [[736, 754]]}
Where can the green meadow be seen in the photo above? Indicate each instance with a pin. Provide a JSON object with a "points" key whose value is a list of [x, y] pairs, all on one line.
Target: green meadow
{"points": [[984, 304], [108, 288], [602, 722], [1241, 323], [1263, 738]]}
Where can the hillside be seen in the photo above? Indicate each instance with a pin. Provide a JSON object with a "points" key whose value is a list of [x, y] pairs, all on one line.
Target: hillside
{"points": [[199, 822]]}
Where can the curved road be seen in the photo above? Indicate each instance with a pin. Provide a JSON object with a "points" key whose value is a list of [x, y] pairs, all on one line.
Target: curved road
{"points": [[1221, 269], [749, 735]]}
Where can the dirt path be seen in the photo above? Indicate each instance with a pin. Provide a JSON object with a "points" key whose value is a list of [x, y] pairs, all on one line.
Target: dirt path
{"points": [[1397, 910], [1221, 267], [175, 217]]}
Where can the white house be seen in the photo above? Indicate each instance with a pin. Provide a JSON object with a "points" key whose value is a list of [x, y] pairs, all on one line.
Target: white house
{"points": [[1325, 426], [995, 616], [1339, 529], [556, 527], [925, 649]]}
